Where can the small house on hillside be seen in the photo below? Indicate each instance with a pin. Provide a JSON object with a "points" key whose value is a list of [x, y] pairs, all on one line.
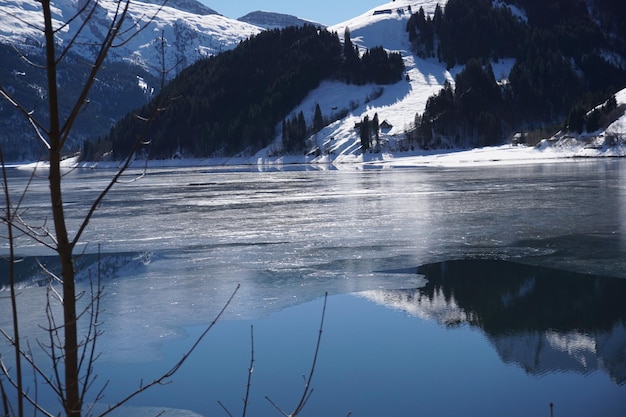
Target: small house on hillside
{"points": [[385, 125]]}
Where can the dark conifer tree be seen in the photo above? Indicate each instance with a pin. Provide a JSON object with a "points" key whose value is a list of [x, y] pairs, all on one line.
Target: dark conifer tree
{"points": [[318, 119], [365, 134], [351, 59], [375, 127]]}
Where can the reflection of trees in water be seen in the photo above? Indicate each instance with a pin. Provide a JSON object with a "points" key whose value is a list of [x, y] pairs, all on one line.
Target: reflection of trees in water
{"points": [[505, 297], [541, 319]]}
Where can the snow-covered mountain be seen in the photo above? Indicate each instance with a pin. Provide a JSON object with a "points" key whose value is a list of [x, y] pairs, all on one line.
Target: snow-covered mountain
{"points": [[397, 104], [188, 29], [181, 32], [271, 20]]}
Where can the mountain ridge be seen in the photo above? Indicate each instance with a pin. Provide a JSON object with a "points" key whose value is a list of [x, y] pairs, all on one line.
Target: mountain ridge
{"points": [[185, 29], [272, 20], [399, 104]]}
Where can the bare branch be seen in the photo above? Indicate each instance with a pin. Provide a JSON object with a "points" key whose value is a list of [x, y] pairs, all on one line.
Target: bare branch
{"points": [[33, 233], [306, 394], [16, 327], [29, 116], [27, 397], [250, 371], [163, 379], [109, 38], [5, 399], [53, 333], [77, 15], [276, 406], [141, 28], [116, 178], [79, 30], [249, 383], [25, 59], [225, 409], [53, 277], [29, 359], [92, 334], [23, 21]]}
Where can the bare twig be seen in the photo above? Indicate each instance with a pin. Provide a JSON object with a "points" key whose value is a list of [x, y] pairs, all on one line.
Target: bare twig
{"points": [[224, 408], [139, 141], [250, 371], [36, 369], [80, 29], [141, 27], [5, 399], [249, 383], [16, 328], [163, 379], [306, 394], [89, 354], [105, 46], [72, 359], [37, 126]]}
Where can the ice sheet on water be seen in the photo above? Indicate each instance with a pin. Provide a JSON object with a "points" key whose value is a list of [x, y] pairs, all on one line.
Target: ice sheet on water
{"points": [[151, 297], [143, 411], [39, 270]]}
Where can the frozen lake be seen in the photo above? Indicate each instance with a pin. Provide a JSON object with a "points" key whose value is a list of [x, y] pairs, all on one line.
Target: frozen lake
{"points": [[453, 291]]}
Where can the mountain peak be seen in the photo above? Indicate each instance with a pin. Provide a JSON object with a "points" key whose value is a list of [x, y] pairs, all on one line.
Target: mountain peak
{"points": [[190, 6], [270, 20]]}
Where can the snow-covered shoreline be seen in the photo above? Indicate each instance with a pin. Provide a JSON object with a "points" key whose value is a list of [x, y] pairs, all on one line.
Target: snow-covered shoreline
{"points": [[546, 152]]}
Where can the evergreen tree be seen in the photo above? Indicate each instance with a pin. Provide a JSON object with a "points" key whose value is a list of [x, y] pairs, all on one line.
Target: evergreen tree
{"points": [[351, 59], [375, 127], [301, 130], [232, 102], [576, 119], [365, 134], [318, 119]]}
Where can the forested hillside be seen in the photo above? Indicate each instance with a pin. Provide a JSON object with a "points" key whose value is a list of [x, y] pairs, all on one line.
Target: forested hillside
{"points": [[232, 102], [119, 88], [569, 55]]}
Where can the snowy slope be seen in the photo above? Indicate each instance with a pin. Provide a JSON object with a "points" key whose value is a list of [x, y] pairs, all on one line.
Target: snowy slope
{"points": [[397, 104], [191, 32], [609, 141], [271, 20]]}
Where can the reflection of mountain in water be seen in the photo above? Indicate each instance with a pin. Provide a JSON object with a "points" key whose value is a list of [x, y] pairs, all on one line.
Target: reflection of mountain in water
{"points": [[542, 319]]}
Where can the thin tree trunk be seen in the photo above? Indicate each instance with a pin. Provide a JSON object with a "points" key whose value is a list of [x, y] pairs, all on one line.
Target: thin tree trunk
{"points": [[64, 248], [16, 327]]}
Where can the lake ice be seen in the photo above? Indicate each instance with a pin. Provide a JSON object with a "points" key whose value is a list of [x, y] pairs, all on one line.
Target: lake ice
{"points": [[175, 244]]}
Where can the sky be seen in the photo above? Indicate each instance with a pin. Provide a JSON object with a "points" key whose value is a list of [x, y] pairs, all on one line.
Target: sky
{"points": [[326, 12]]}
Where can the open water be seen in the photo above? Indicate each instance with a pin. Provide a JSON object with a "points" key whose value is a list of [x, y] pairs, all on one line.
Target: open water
{"points": [[452, 291]]}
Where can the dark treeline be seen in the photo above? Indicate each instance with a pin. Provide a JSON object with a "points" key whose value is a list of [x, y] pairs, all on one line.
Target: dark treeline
{"points": [[232, 102], [561, 65]]}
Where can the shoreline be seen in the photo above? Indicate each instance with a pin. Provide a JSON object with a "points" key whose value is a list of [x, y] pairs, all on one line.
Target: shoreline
{"points": [[491, 156]]}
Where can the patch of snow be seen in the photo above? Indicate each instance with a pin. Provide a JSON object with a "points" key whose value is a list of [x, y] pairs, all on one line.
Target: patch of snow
{"points": [[142, 83], [502, 69], [612, 58], [516, 11]]}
